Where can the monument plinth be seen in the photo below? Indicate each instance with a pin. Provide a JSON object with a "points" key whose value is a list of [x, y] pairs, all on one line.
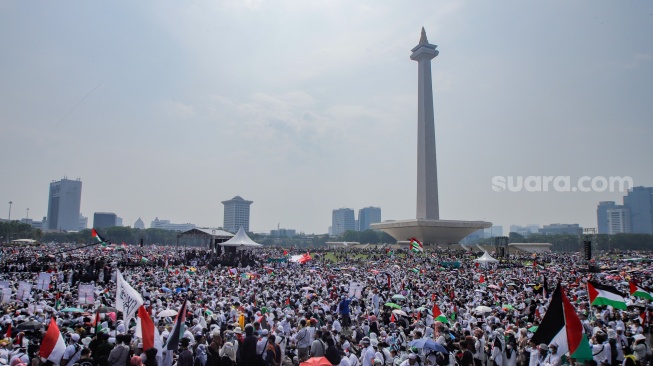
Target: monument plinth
{"points": [[428, 227]]}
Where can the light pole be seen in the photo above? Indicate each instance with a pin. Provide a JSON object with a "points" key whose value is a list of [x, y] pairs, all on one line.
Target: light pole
{"points": [[27, 216], [9, 222]]}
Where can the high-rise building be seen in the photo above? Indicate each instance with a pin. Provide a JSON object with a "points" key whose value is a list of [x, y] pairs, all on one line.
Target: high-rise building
{"points": [[640, 203], [618, 220], [139, 224], [342, 220], [525, 230], [283, 233], [63, 204], [236, 214], [104, 219], [83, 222], [367, 216], [572, 229], [602, 215], [167, 225]]}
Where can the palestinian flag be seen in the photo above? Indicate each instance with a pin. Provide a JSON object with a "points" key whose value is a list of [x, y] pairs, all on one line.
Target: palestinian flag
{"points": [[454, 312], [605, 295], [637, 291], [285, 253], [97, 326], [642, 317], [178, 328], [52, 345], [416, 246], [57, 301], [482, 280], [437, 314], [8, 332], [97, 237], [561, 325]]}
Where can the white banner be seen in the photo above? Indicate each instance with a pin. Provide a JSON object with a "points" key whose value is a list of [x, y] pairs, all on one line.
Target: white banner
{"points": [[43, 283], [4, 284], [86, 295], [24, 290], [128, 300], [6, 294]]}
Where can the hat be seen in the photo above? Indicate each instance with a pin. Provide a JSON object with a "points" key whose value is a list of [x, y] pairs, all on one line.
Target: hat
{"points": [[86, 341], [264, 332], [412, 356], [365, 340], [544, 347], [75, 337], [554, 345], [238, 330], [638, 337]]}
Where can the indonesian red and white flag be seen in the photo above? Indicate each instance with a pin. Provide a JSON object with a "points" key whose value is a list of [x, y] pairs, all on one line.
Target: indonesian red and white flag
{"points": [[53, 345]]}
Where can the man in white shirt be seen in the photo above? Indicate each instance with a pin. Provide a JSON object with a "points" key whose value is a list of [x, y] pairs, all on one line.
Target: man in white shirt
{"points": [[367, 352]]}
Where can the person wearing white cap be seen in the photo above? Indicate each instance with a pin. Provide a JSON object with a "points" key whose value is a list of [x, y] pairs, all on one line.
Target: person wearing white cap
{"points": [[412, 360], [367, 352], [73, 352], [640, 348], [282, 341]]}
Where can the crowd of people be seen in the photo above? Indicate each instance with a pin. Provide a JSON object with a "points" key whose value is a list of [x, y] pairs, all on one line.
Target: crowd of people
{"points": [[366, 307]]}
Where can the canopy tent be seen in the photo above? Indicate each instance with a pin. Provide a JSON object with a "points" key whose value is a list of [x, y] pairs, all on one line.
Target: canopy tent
{"points": [[241, 240], [486, 258], [25, 242]]}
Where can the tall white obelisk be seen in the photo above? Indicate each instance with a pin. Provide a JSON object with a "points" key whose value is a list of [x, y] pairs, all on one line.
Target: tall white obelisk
{"points": [[427, 169], [427, 226]]}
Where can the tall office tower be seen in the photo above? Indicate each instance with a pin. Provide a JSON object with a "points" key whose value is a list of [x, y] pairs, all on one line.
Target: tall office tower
{"points": [[618, 220], [342, 220], [367, 216], [236, 214], [602, 215], [104, 219], [640, 203], [64, 204]]}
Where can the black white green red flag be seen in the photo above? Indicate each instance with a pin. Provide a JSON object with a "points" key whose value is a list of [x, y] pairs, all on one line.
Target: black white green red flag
{"points": [[605, 295], [562, 326]]}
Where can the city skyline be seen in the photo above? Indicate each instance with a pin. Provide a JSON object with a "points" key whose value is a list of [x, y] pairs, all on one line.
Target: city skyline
{"points": [[171, 120]]}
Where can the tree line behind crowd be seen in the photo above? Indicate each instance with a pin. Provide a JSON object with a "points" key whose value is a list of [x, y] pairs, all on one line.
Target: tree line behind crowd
{"points": [[121, 234]]}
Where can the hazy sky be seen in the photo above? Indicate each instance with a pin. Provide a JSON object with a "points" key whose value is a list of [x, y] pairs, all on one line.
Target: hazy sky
{"points": [[167, 108]]}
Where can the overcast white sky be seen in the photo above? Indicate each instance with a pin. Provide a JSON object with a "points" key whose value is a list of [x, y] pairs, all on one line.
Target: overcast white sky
{"points": [[167, 108]]}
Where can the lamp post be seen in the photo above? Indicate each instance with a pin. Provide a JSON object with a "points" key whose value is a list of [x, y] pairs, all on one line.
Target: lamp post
{"points": [[9, 222], [27, 215]]}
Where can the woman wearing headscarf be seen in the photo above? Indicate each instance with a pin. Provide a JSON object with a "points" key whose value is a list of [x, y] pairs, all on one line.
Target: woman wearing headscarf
{"points": [[510, 350]]}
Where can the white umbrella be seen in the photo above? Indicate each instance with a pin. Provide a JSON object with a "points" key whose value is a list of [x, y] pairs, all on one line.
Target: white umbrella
{"points": [[307, 288], [399, 297], [399, 312], [482, 309], [167, 312]]}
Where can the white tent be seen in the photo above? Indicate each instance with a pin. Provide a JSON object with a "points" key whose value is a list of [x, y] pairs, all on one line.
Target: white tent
{"points": [[241, 240], [486, 258]]}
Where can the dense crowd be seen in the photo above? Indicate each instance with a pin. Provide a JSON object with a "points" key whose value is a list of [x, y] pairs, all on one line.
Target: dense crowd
{"points": [[367, 307]]}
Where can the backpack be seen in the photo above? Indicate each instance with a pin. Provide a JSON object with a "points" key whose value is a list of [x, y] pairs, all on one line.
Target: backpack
{"points": [[442, 359]]}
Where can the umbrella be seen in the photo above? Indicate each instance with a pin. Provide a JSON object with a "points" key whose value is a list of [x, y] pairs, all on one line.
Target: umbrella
{"points": [[316, 361], [30, 325], [165, 289], [494, 287], [106, 309], [399, 297], [428, 344], [482, 309], [72, 310], [507, 306], [167, 312], [399, 312], [392, 305], [533, 329]]}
